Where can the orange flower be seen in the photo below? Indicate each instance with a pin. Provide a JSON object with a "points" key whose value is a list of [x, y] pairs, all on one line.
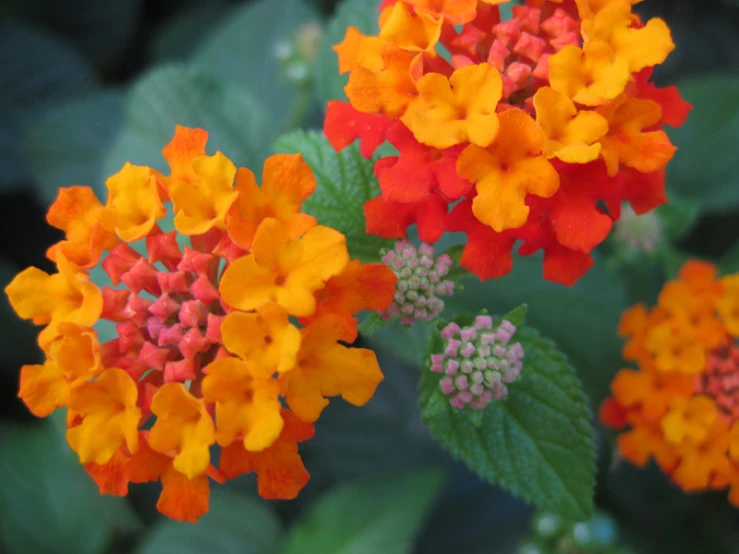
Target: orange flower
{"points": [[438, 80], [683, 402], [78, 212], [358, 50], [326, 368], [627, 143], [590, 76], [283, 270], [509, 169], [728, 304], [456, 110], [279, 468], [411, 30], [203, 331], [650, 392], [73, 359], [110, 417], [265, 339], [456, 12], [202, 203], [286, 183], [358, 287], [700, 463], [133, 206], [572, 135], [65, 297], [388, 90], [183, 426], [645, 441], [246, 405], [689, 419], [186, 145], [640, 46], [181, 498]]}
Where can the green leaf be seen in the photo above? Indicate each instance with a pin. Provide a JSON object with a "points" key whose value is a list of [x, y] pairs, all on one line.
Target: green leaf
{"points": [[677, 217], [706, 144], [582, 319], [234, 524], [367, 517], [242, 50], [175, 95], [457, 272], [18, 345], [36, 72], [517, 316], [62, 153], [729, 262], [408, 345], [346, 181], [180, 37], [537, 443], [49, 503], [101, 30], [371, 324], [362, 14], [385, 435], [472, 518]]}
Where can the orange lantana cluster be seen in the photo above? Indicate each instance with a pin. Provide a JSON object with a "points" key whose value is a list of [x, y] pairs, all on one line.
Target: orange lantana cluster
{"points": [[682, 403], [536, 129], [229, 328]]}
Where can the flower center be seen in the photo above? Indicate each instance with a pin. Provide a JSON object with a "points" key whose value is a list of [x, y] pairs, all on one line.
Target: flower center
{"points": [[522, 46], [169, 314], [720, 380]]}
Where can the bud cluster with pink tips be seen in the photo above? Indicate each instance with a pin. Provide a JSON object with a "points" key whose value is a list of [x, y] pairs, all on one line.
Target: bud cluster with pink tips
{"points": [[477, 362], [420, 282]]}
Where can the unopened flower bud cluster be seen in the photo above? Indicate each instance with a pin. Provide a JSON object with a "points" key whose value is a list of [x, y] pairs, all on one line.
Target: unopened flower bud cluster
{"points": [[420, 282], [638, 233], [477, 362]]}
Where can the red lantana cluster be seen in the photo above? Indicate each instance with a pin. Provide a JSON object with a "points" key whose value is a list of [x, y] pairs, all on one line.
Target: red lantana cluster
{"points": [[533, 130]]}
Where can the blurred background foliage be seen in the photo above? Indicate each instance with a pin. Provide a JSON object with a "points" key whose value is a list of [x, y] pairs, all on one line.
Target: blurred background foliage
{"points": [[87, 85]]}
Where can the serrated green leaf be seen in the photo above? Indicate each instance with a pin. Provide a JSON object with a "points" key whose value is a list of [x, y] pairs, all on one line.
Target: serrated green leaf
{"points": [[48, 501], [362, 14], [242, 50], [234, 524], [537, 443], [581, 319], [346, 181], [368, 517], [706, 144], [63, 153], [175, 95]]}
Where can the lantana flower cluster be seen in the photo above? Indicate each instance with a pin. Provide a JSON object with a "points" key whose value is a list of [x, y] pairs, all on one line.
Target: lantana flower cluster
{"points": [[530, 130], [420, 284], [477, 362], [681, 406], [230, 329]]}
